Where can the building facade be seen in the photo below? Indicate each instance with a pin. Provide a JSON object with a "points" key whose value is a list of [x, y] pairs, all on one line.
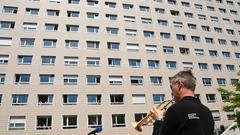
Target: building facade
{"points": [[68, 66]]}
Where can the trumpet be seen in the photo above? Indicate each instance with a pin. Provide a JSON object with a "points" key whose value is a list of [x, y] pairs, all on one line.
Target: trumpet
{"points": [[148, 120]]}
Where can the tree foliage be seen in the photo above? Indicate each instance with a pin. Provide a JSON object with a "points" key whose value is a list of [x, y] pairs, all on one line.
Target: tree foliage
{"points": [[233, 100]]}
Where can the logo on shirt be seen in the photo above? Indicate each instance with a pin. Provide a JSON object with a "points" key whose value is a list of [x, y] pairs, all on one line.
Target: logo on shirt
{"points": [[192, 116]]}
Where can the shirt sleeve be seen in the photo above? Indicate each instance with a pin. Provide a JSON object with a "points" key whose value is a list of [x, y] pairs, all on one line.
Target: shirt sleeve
{"points": [[168, 126]]}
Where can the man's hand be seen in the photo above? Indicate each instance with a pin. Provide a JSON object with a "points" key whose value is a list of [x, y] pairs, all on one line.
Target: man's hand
{"points": [[157, 114]]}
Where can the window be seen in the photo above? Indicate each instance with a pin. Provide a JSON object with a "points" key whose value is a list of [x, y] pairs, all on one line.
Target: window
{"points": [[24, 59], [134, 63], [226, 55], [237, 22], [129, 19], [69, 121], [165, 35], [70, 61], [91, 15], [216, 115], [94, 121], [70, 99], [45, 99], [230, 68], [178, 24], [44, 122], [206, 28], [19, 99], [111, 17], [148, 34], [158, 1], [146, 20], [114, 46], [28, 26], [138, 99], [222, 10], [49, 43], [156, 80], [127, 6], [222, 42], [233, 12], [115, 80], [210, 8], [217, 67], [234, 81], [4, 59], [71, 44], [202, 17], [185, 4], [218, 30], [163, 22], [192, 26], [27, 42], [153, 64], [140, 116], [17, 123], [230, 115], [2, 78], [136, 80], [52, 12], [225, 20], [158, 98], [168, 50], [48, 60], [174, 13], [73, 14], [214, 19], [0, 97], [151, 48], [73, 1], [116, 99], [54, 1], [112, 31], [209, 40], [7, 25], [188, 15], [187, 65], [160, 11], [207, 81], [237, 55], [131, 32], [22, 78], [221, 81], [132, 47], [5, 41], [234, 43], [198, 6], [184, 51], [144, 8], [230, 2], [72, 28], [32, 11], [70, 79], [93, 79], [93, 61], [93, 44], [171, 64], [203, 66], [114, 62], [110, 4], [181, 37], [46, 78], [94, 99], [93, 3], [211, 98], [51, 27], [213, 53], [10, 10], [230, 32], [118, 120], [172, 2], [224, 97]]}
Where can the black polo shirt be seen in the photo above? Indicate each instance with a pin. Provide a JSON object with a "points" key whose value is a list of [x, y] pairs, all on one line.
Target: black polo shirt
{"points": [[187, 117]]}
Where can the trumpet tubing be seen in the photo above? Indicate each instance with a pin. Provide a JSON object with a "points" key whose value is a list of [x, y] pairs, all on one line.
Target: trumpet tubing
{"points": [[148, 120]]}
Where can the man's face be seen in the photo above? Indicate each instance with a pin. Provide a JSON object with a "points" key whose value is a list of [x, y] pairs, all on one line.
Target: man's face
{"points": [[175, 87]]}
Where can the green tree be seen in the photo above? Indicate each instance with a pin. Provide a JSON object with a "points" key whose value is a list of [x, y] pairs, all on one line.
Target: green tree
{"points": [[234, 100]]}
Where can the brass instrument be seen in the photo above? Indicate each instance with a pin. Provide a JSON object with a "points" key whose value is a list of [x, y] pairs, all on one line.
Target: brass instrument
{"points": [[148, 120]]}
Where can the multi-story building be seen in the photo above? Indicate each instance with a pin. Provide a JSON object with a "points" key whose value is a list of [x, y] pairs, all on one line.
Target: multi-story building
{"points": [[68, 66]]}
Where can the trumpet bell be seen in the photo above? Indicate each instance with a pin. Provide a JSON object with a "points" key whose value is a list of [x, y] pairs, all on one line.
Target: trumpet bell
{"points": [[137, 126]]}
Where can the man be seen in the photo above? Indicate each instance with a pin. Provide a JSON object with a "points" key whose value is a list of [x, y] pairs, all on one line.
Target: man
{"points": [[187, 116]]}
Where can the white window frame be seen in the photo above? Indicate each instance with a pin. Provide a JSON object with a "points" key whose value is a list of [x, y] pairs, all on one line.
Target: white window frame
{"points": [[27, 42], [4, 59], [50, 78], [132, 47], [111, 62], [67, 126], [169, 64], [73, 44], [96, 121], [21, 59], [94, 99], [151, 48], [131, 32], [116, 123], [71, 61], [70, 79], [138, 98], [29, 26], [49, 100], [17, 101], [2, 78], [46, 125], [138, 79], [129, 19], [207, 81], [17, 123], [115, 80], [5, 41], [93, 61], [97, 80]]}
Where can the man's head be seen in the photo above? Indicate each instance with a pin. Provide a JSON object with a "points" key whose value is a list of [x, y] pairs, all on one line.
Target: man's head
{"points": [[182, 84]]}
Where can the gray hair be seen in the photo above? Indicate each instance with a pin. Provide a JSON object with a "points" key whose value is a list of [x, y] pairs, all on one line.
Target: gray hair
{"points": [[186, 77]]}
